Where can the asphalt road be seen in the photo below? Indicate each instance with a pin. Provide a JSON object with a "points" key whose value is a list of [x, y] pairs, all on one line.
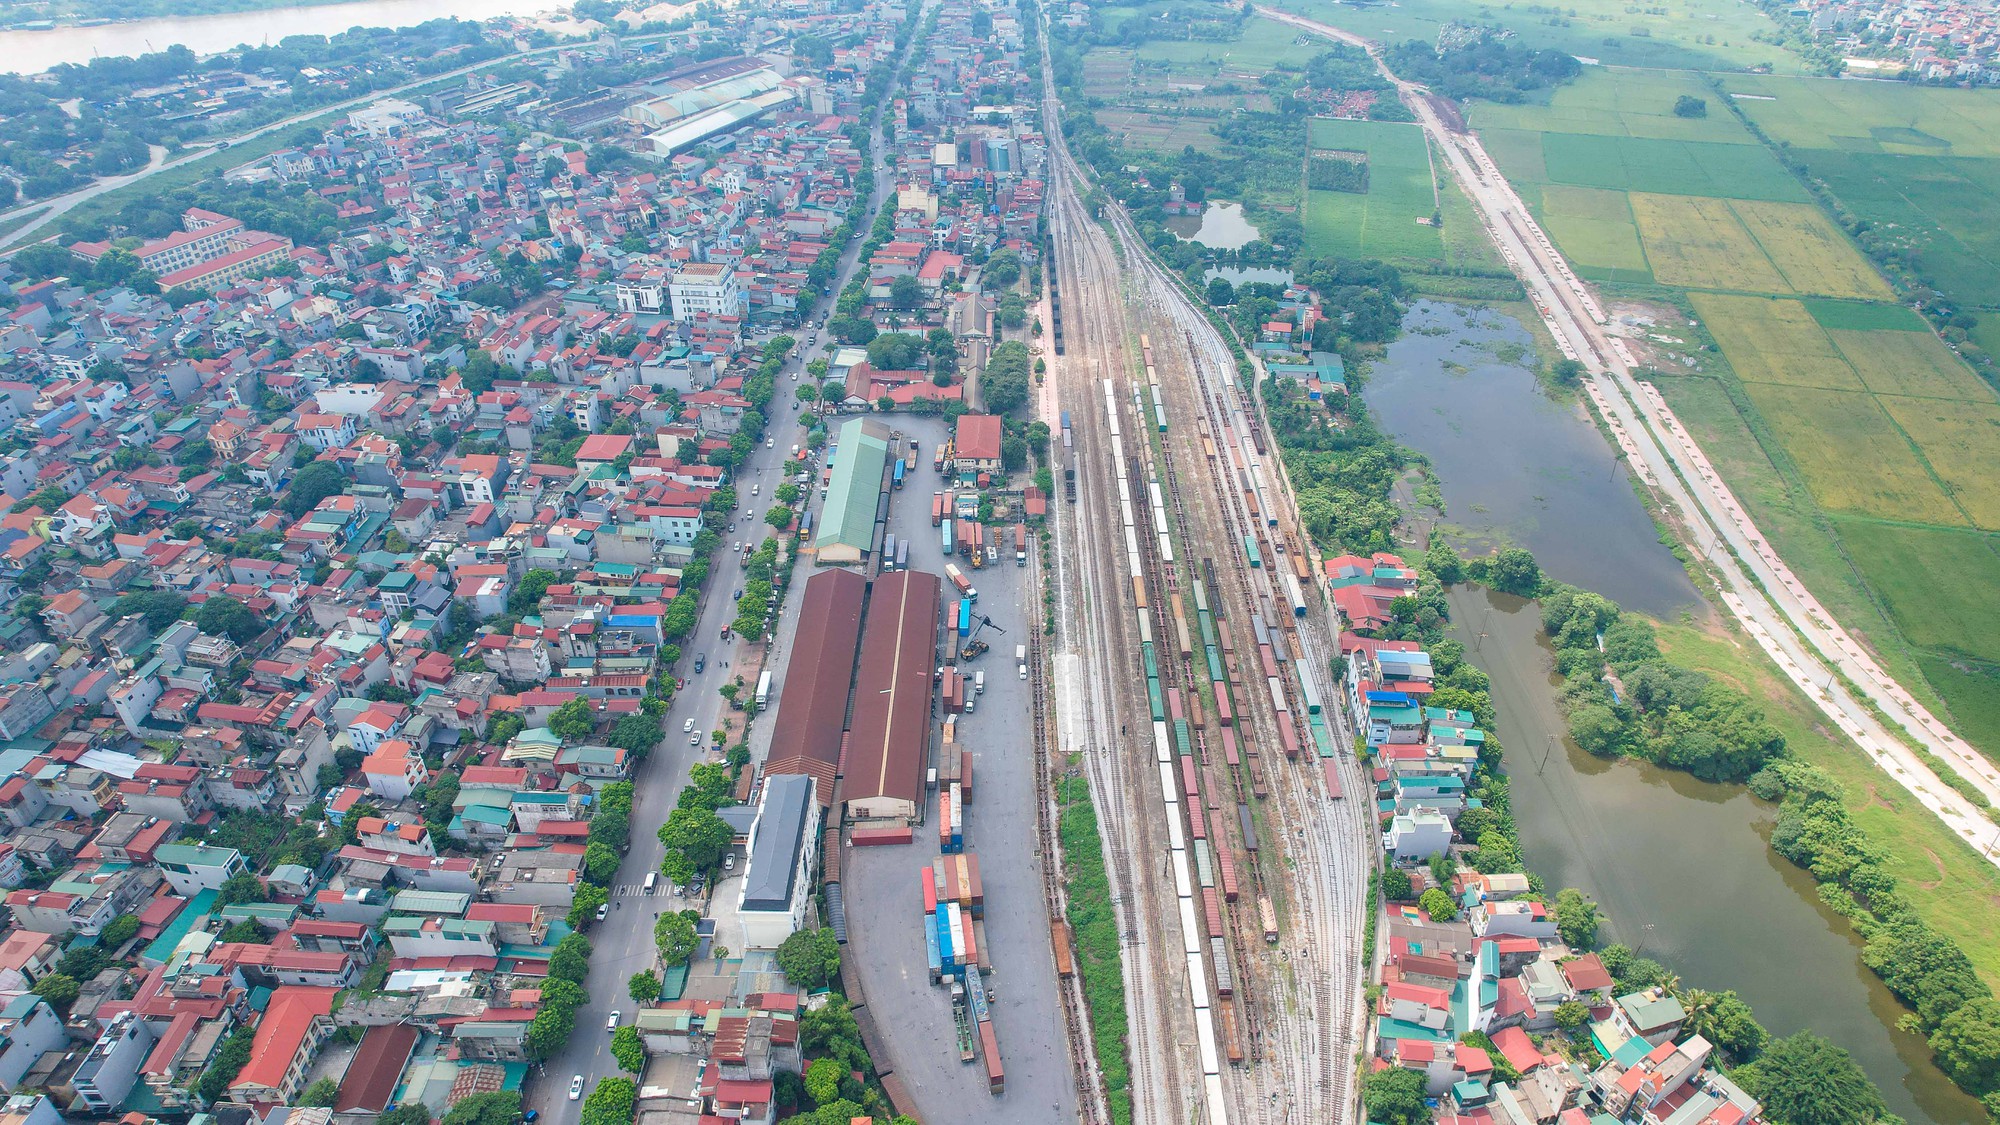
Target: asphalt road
{"points": [[623, 942]]}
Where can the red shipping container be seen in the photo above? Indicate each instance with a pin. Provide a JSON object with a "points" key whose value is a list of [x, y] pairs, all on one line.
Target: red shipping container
{"points": [[930, 893], [1213, 908], [950, 866], [1197, 823], [971, 945], [877, 837], [1188, 787], [989, 1045], [1224, 717], [1332, 768], [978, 887], [1228, 873], [1174, 704], [1229, 754], [1289, 737], [965, 775]]}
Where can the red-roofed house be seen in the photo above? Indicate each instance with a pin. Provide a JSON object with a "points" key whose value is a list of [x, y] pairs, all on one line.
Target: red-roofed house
{"points": [[298, 1019], [977, 443]]}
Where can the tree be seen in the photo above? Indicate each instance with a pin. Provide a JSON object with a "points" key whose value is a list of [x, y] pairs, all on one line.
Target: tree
{"points": [[626, 1048], [224, 616], [779, 517], [1576, 919], [644, 986], [573, 722], [676, 937], [1805, 1080], [412, 1113], [600, 863], [315, 482], [555, 1017], [1687, 105], [498, 1107], [611, 1102], [1221, 294], [160, 609], [1725, 1020], [526, 597], [243, 886], [1569, 1015], [1438, 905], [229, 1060], [635, 734], [571, 959], [1567, 372], [1395, 1096], [320, 1093], [696, 840], [896, 351], [59, 990], [583, 904], [1001, 271], [1396, 885], [1004, 383], [823, 1081], [120, 930], [1514, 571], [906, 292], [1967, 1045], [809, 958], [1443, 867]]}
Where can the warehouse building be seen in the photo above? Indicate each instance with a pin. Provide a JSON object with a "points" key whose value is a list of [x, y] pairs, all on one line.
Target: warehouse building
{"points": [[812, 705], [889, 740], [854, 497]]}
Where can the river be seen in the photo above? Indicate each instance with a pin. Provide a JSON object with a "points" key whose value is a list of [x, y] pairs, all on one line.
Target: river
{"points": [[28, 52], [1683, 868], [1684, 871], [1517, 466]]}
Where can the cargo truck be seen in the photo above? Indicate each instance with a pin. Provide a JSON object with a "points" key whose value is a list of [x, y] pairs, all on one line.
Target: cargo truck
{"points": [[959, 580], [1021, 658]]}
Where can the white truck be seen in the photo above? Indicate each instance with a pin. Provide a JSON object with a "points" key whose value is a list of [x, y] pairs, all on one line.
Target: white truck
{"points": [[979, 683], [1021, 658]]}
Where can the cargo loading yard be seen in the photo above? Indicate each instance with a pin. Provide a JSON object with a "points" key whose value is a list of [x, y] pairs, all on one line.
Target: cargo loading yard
{"points": [[928, 1037]]}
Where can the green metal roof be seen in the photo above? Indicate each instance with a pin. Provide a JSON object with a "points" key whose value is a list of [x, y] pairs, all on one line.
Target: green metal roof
{"points": [[848, 516]]}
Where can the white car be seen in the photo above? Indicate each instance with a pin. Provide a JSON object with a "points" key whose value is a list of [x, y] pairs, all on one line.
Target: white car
{"points": [[770, 443], [576, 1087], [729, 863], [612, 1023], [694, 740], [687, 727], [603, 908]]}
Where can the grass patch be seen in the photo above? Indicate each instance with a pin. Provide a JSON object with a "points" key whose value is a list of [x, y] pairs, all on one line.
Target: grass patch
{"points": [[1596, 230], [1694, 35], [1971, 694], [1937, 583], [1731, 171], [1098, 959], [1890, 117], [1615, 101], [1948, 883], [1864, 316], [1384, 221], [1945, 209]]}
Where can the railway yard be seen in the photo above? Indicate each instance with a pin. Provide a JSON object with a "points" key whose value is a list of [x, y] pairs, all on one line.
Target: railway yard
{"points": [[1238, 870]]}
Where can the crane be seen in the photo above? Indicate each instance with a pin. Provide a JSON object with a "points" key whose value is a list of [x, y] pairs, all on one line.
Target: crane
{"points": [[973, 645]]}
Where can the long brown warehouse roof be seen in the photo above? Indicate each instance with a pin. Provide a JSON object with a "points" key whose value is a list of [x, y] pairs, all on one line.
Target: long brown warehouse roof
{"points": [[812, 707], [892, 698]]}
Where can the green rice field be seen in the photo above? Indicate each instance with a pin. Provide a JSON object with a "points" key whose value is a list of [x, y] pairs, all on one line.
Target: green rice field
{"points": [[1388, 221]]}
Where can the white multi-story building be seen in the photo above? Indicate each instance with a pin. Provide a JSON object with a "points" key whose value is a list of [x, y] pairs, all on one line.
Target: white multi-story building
{"points": [[705, 287]]}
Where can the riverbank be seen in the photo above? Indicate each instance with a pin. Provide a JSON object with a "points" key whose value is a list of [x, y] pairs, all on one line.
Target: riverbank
{"points": [[1683, 869]]}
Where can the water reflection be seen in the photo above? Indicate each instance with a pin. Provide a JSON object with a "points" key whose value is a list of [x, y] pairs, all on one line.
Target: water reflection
{"points": [[1220, 226]]}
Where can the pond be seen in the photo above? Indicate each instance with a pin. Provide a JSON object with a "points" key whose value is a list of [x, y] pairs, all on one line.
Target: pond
{"points": [[1517, 466], [1243, 275], [1220, 226]]}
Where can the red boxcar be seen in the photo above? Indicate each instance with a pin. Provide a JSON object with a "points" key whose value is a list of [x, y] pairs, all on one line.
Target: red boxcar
{"points": [[877, 837]]}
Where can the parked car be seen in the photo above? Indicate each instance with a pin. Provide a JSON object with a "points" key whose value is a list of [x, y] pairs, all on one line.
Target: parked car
{"points": [[603, 908]]}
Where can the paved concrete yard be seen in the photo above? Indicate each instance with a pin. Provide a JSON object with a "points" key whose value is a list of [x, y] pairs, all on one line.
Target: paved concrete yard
{"points": [[885, 900]]}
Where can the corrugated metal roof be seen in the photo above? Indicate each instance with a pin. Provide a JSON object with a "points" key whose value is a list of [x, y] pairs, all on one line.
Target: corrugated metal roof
{"points": [[847, 519], [892, 700], [812, 707]]}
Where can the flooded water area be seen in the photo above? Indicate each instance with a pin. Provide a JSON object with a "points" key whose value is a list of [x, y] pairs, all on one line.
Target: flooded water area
{"points": [[1684, 872], [1220, 226], [1517, 466]]}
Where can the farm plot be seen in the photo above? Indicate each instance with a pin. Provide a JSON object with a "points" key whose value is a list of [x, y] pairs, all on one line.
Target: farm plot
{"points": [[1596, 230], [1916, 364], [1703, 168], [1961, 440], [1774, 341], [1946, 209], [1163, 132], [1890, 117], [1810, 251], [1107, 72], [1851, 454], [1748, 247], [1620, 102], [1937, 583], [1698, 244], [1386, 220]]}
